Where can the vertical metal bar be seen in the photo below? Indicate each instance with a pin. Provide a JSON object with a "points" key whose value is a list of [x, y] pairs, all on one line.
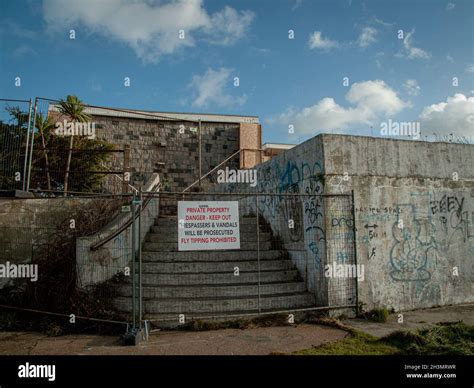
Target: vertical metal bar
{"points": [[25, 164], [134, 307], [200, 154], [32, 143], [258, 252], [126, 168], [140, 289], [355, 251]]}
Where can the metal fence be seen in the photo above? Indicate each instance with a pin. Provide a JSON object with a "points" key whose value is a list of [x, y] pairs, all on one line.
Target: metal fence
{"points": [[45, 273], [284, 263], [14, 142], [123, 260]]}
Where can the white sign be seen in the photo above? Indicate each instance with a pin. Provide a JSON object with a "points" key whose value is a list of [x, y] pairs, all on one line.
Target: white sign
{"points": [[208, 225]]}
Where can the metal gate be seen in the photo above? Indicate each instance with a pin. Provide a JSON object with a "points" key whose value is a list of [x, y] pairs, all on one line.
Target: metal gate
{"points": [[296, 253]]}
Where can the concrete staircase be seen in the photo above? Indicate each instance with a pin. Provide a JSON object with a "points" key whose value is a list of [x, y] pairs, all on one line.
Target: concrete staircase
{"points": [[202, 284]]}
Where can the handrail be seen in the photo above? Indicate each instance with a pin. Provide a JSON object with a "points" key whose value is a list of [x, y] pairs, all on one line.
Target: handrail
{"points": [[119, 177], [111, 236], [215, 168], [219, 165]]}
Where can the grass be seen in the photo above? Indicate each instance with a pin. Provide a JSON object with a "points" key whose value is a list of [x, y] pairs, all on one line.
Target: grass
{"points": [[377, 315], [443, 339]]}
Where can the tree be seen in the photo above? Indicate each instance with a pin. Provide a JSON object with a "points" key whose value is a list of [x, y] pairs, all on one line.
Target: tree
{"points": [[74, 109], [44, 126], [13, 132]]}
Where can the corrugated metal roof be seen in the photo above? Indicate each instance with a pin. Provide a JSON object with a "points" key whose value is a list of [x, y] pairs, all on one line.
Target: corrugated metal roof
{"points": [[177, 116]]}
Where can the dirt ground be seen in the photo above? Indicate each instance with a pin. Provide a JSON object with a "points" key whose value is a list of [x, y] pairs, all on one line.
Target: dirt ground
{"points": [[255, 341], [252, 341]]}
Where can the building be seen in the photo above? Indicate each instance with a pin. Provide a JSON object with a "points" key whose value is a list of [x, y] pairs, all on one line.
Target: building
{"points": [[272, 149], [181, 147]]}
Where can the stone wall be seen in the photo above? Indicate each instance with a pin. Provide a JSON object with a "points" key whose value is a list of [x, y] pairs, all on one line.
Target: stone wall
{"points": [[159, 146]]}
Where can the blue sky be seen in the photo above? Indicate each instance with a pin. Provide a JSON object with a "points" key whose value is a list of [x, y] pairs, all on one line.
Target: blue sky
{"points": [[284, 81]]}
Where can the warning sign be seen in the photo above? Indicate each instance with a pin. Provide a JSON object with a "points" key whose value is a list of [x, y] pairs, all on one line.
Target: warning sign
{"points": [[207, 225]]}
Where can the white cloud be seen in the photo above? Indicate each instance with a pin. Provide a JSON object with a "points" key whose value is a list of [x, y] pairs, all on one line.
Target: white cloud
{"points": [[296, 5], [412, 52], [228, 26], [369, 100], [470, 69], [378, 59], [450, 6], [455, 116], [150, 28], [411, 87], [24, 51], [367, 37], [316, 40], [449, 58], [211, 89], [382, 23]]}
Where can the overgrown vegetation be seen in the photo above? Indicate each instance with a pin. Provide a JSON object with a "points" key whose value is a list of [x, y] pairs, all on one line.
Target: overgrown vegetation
{"points": [[237, 323], [13, 127], [56, 289], [443, 339], [57, 166], [377, 315]]}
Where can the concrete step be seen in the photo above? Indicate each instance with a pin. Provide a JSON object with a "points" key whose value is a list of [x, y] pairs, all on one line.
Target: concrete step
{"points": [[223, 278], [221, 305], [214, 256], [173, 246], [152, 292], [215, 267], [168, 235]]}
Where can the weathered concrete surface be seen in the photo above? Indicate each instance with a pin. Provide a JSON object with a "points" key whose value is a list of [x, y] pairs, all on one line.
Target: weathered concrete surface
{"points": [[425, 188], [428, 190], [257, 341], [24, 223], [95, 266], [416, 319]]}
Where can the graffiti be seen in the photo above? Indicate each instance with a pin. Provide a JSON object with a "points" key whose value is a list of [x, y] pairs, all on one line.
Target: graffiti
{"points": [[342, 221], [313, 247], [411, 248], [342, 258], [453, 218], [371, 233], [372, 253], [447, 204], [292, 211], [292, 179]]}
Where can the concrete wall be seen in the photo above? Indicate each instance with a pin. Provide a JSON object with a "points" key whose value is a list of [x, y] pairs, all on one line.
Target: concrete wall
{"points": [[415, 183], [299, 170], [99, 265], [25, 224], [427, 186]]}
